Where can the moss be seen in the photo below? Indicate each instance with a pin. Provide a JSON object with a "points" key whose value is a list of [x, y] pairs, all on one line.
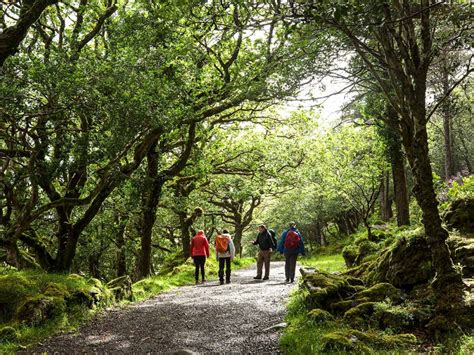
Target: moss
{"points": [[359, 314], [8, 334], [343, 341], [354, 281], [121, 287], [39, 309], [356, 341], [395, 318], [326, 288], [350, 253], [405, 264], [13, 289], [320, 316], [56, 290], [380, 292]]}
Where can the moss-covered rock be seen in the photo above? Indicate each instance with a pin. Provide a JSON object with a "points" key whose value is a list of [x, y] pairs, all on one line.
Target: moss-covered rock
{"points": [[8, 334], [460, 215], [359, 314], [462, 252], [39, 309], [405, 264], [397, 318], [13, 289], [350, 253], [343, 306], [121, 288], [343, 341], [56, 290], [325, 288], [380, 292], [319, 315]]}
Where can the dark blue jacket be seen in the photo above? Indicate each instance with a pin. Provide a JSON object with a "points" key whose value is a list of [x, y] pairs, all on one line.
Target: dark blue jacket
{"points": [[281, 244]]}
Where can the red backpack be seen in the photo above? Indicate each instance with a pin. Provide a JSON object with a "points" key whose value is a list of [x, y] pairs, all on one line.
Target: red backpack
{"points": [[292, 240]]}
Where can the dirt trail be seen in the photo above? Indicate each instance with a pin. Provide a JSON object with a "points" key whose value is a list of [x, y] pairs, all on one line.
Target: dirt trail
{"points": [[204, 318]]}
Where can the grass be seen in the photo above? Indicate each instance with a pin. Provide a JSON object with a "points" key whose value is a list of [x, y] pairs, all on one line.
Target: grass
{"points": [[330, 263], [18, 286]]}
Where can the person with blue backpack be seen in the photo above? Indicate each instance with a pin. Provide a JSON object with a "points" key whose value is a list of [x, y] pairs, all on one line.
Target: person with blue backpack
{"points": [[291, 244]]}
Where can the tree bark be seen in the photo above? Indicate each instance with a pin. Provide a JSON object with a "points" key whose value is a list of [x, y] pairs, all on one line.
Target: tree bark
{"points": [[397, 161], [12, 36], [121, 260], [447, 119], [385, 200], [152, 193]]}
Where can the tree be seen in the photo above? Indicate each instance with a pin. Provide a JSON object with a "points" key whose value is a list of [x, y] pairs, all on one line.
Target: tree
{"points": [[401, 38]]}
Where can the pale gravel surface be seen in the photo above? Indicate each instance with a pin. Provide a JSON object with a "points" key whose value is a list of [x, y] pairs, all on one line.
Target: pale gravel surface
{"points": [[206, 318]]}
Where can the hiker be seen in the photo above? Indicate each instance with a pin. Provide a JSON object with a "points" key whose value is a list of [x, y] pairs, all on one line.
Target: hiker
{"points": [[266, 245], [199, 252], [225, 253], [291, 244]]}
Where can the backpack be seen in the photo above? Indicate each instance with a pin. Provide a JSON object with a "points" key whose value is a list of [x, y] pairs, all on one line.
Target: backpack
{"points": [[222, 244], [274, 240], [292, 240]]}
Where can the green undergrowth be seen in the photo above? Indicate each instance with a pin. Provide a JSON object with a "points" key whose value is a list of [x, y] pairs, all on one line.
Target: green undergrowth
{"points": [[35, 305], [175, 274], [322, 333]]}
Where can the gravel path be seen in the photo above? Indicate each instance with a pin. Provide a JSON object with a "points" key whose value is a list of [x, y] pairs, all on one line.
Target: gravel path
{"points": [[206, 318]]}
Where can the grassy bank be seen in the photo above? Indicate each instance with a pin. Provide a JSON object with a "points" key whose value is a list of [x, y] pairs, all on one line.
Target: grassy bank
{"points": [[35, 305], [315, 333]]}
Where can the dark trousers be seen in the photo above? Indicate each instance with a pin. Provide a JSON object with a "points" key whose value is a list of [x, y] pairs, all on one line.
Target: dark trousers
{"points": [[224, 262], [199, 262], [290, 265]]}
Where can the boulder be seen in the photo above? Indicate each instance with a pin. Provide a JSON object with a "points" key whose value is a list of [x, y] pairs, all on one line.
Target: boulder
{"points": [[462, 252], [460, 215], [380, 292], [39, 309], [342, 341], [405, 264], [359, 314], [320, 316], [121, 287], [325, 288]]}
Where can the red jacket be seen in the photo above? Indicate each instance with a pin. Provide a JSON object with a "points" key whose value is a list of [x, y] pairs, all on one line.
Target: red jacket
{"points": [[199, 245]]}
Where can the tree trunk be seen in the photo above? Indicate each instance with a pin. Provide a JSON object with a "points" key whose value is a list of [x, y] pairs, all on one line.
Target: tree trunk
{"points": [[121, 261], [448, 283], [397, 160], [385, 201], [447, 115], [239, 231], [185, 236], [152, 196]]}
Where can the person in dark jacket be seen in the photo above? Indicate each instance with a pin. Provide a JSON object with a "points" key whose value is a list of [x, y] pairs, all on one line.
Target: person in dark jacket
{"points": [[291, 244], [265, 243]]}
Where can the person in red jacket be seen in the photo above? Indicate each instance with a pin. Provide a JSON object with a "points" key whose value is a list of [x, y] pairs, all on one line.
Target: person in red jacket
{"points": [[199, 252]]}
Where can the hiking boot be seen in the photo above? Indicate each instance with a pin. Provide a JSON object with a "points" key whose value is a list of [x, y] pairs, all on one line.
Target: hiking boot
{"points": [[287, 280], [265, 278], [197, 282], [292, 280], [257, 278], [221, 282], [227, 281]]}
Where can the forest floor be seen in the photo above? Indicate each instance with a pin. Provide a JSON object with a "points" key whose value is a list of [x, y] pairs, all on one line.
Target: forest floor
{"points": [[244, 316]]}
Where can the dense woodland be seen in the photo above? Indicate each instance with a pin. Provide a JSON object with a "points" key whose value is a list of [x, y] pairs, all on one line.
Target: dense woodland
{"points": [[126, 126]]}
